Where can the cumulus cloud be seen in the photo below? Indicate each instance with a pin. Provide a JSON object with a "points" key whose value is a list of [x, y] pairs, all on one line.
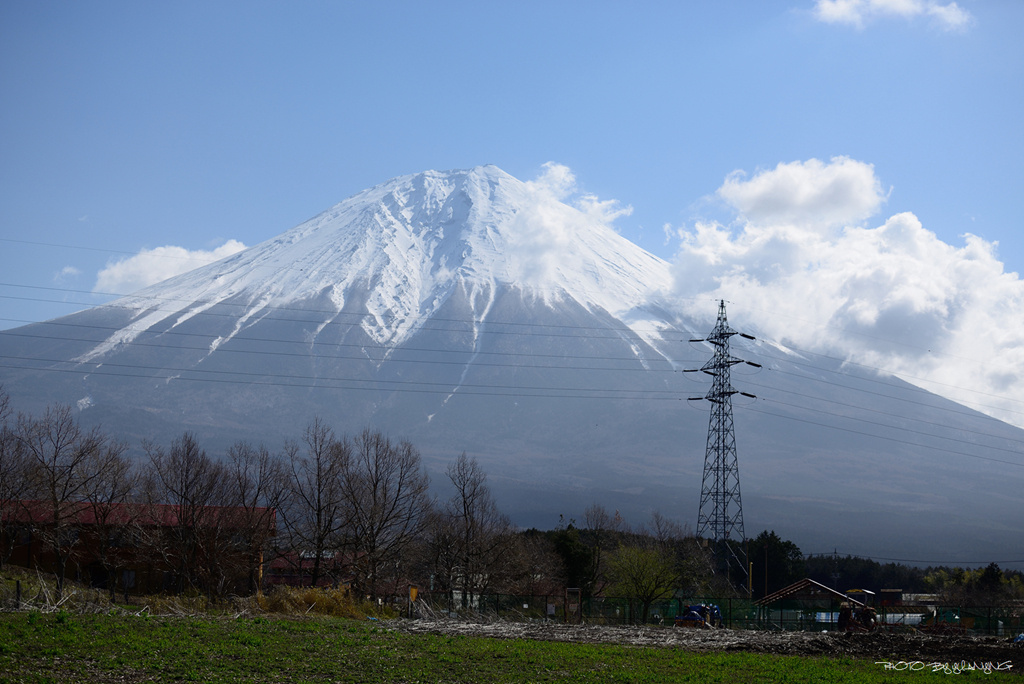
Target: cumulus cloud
{"points": [[557, 183], [809, 193], [949, 16], [150, 266], [549, 222], [65, 274], [891, 295]]}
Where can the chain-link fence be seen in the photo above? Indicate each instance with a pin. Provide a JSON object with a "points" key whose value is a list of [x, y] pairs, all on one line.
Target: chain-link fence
{"points": [[568, 607], [736, 613]]}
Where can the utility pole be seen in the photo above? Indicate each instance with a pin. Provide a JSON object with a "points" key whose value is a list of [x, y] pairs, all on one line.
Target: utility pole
{"points": [[720, 517]]}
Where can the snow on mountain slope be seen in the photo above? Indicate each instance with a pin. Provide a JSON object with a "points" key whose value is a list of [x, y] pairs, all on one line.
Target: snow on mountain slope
{"points": [[409, 243]]}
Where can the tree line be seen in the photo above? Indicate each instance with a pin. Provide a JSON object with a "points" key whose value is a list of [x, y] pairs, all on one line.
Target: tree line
{"points": [[777, 563], [338, 508], [353, 509], [357, 510]]}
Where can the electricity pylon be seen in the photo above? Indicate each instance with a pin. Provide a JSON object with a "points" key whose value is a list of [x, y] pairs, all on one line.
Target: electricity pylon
{"points": [[720, 517]]}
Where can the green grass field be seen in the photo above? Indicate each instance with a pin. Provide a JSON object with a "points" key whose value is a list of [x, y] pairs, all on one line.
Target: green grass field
{"points": [[64, 647]]}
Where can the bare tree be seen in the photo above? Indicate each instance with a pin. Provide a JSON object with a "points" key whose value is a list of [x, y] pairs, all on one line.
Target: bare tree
{"points": [[59, 454], [534, 566], [604, 529], [441, 552], [193, 486], [385, 491], [257, 490], [14, 484], [482, 533], [314, 515], [665, 531], [106, 499]]}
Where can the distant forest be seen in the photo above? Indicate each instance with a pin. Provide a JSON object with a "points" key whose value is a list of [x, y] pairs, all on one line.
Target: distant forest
{"points": [[989, 584], [355, 511]]}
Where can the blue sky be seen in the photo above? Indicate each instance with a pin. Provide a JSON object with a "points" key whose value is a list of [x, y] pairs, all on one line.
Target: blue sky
{"points": [[783, 153]]}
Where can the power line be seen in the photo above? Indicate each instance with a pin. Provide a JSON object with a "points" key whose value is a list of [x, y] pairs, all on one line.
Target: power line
{"points": [[314, 382], [65, 246], [909, 388], [328, 312], [567, 392], [886, 439], [905, 377], [762, 350], [386, 355], [894, 427], [847, 331], [317, 382], [791, 360], [388, 352], [388, 349], [659, 331]]}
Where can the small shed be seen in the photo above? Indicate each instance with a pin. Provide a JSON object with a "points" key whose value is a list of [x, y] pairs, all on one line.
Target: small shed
{"points": [[802, 605]]}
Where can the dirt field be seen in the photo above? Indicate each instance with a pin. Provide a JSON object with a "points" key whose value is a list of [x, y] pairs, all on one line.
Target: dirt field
{"points": [[879, 646]]}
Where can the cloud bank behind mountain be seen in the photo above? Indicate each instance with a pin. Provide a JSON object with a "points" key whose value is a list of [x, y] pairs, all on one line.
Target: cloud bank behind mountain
{"points": [[804, 262]]}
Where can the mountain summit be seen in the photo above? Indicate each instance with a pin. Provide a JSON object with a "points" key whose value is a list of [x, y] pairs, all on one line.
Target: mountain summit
{"points": [[468, 311], [397, 252]]}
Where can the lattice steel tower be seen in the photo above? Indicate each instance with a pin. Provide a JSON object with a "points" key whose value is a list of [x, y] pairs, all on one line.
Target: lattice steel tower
{"points": [[721, 510]]}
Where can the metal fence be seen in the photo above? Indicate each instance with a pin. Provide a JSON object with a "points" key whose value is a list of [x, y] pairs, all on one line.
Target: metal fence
{"points": [[979, 620], [737, 613], [567, 608]]}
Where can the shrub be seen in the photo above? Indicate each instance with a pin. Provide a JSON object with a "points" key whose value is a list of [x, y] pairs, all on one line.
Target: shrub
{"points": [[336, 602]]}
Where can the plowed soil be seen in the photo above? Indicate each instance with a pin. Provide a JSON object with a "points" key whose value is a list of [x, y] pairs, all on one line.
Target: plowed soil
{"points": [[880, 646]]}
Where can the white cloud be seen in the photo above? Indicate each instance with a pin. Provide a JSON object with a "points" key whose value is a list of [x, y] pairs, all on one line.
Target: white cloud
{"points": [[604, 211], [66, 273], [949, 16], [550, 220], [151, 266], [806, 193], [557, 180], [893, 296]]}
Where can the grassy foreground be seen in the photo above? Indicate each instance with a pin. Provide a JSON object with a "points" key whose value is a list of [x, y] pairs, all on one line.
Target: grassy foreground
{"points": [[64, 647]]}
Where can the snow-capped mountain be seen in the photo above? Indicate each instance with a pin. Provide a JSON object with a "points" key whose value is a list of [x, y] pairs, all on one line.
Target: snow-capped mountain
{"points": [[470, 311], [401, 250]]}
